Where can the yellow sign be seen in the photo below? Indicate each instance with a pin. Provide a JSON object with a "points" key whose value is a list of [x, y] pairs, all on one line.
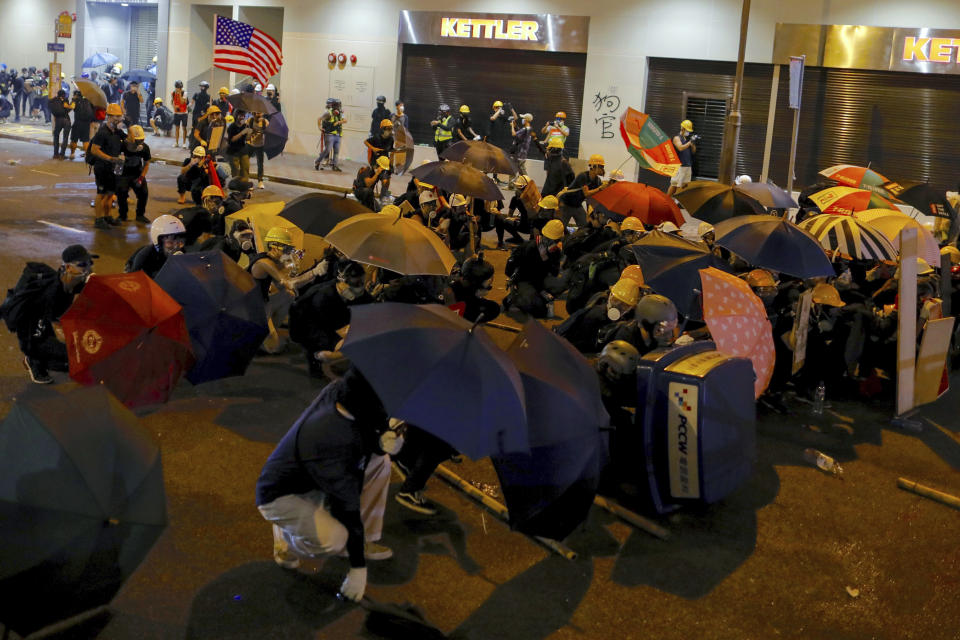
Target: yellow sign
{"points": [[942, 50], [64, 25], [490, 29]]}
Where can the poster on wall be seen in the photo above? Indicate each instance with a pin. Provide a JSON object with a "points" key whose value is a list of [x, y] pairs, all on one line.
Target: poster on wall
{"points": [[354, 87]]}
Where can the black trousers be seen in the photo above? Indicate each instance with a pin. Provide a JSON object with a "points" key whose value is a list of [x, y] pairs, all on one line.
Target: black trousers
{"points": [[195, 188], [44, 350], [124, 184], [421, 453], [61, 129]]}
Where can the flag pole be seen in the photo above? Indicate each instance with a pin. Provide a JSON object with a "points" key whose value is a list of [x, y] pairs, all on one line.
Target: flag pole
{"points": [[213, 52]]}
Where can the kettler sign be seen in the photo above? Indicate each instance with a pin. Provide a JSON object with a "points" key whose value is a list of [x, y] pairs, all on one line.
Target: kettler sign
{"points": [[541, 32], [942, 50]]}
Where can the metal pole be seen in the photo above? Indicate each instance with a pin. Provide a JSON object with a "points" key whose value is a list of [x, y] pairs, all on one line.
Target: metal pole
{"points": [[771, 118], [731, 138], [793, 151]]}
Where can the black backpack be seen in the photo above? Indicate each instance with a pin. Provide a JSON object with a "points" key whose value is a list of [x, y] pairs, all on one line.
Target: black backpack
{"points": [[83, 110], [35, 278]]}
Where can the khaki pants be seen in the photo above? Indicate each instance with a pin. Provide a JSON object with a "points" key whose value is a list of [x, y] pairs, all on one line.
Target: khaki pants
{"points": [[278, 306]]}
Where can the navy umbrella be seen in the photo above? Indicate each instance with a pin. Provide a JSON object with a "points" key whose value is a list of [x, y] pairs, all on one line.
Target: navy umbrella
{"points": [[139, 75], [774, 243], [223, 308], [437, 371], [99, 59], [457, 177], [251, 103], [81, 504], [275, 137], [549, 490]]}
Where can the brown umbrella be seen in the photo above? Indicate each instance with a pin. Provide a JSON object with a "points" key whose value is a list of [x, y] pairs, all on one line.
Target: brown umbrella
{"points": [[480, 155], [403, 148], [456, 177], [93, 93]]}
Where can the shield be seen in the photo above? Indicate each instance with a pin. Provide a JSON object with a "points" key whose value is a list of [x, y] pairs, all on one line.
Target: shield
{"points": [[632, 199], [93, 93], [738, 323], [480, 155], [125, 332], [275, 136], [456, 177], [890, 224], [437, 371], [647, 143], [81, 504], [223, 309], [846, 200], [774, 243], [251, 103], [714, 202], [99, 59], [398, 244], [403, 148], [847, 235]]}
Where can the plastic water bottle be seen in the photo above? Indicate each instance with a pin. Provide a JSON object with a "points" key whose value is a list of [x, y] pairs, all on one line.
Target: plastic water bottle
{"points": [[823, 461], [819, 396]]}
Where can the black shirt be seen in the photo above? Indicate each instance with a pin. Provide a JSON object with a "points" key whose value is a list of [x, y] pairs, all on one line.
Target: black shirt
{"points": [[575, 197], [235, 147], [134, 161], [194, 173], [201, 100], [109, 141], [147, 259], [131, 106], [380, 142]]}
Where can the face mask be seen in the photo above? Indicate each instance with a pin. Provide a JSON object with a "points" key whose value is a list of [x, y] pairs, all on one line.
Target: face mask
{"points": [[400, 109], [613, 314], [347, 292], [287, 260]]}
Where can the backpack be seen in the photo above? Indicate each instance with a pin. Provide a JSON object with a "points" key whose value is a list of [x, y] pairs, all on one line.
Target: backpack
{"points": [[36, 277], [83, 111]]}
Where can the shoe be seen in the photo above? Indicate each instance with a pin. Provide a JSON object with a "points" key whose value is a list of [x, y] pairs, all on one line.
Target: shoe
{"points": [[101, 223], [500, 247], [372, 551], [337, 169], [415, 502], [316, 166], [182, 199], [39, 374], [113, 222], [260, 185], [143, 219]]}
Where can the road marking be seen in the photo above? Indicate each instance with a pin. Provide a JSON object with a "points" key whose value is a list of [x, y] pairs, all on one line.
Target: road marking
{"points": [[55, 175], [60, 226]]}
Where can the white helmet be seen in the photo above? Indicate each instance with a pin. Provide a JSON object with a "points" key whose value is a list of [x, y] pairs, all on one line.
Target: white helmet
{"points": [[234, 91], [427, 196], [270, 87], [668, 227], [259, 87], [165, 225], [744, 179]]}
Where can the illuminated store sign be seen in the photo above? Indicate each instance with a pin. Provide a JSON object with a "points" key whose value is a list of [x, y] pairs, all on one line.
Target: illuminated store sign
{"points": [[539, 32]]}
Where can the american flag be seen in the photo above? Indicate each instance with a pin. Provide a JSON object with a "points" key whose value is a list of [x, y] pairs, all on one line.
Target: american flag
{"points": [[240, 47]]}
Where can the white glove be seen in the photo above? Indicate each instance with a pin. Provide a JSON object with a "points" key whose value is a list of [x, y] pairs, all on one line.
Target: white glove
{"points": [[354, 584], [684, 340], [321, 269], [476, 137], [391, 442]]}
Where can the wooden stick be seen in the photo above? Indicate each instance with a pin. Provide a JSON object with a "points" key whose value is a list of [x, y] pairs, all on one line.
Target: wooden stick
{"points": [[928, 492], [632, 518], [499, 510], [503, 327]]}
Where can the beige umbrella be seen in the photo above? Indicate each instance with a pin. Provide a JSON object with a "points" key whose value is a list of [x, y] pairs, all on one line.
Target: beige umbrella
{"points": [[891, 223], [93, 93]]}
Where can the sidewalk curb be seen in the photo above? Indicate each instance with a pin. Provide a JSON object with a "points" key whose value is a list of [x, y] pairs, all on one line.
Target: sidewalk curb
{"points": [[320, 186]]}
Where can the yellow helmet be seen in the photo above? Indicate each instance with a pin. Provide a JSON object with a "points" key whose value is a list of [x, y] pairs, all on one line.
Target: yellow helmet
{"points": [[136, 132], [229, 119], [390, 210], [827, 294], [223, 90], [626, 291], [686, 125], [549, 202], [633, 272], [212, 191], [383, 162], [458, 200], [386, 122], [923, 267], [561, 115], [553, 229], [464, 109], [555, 143], [951, 253], [278, 235], [114, 109], [497, 103], [631, 224], [213, 109], [760, 278], [596, 160], [158, 101]]}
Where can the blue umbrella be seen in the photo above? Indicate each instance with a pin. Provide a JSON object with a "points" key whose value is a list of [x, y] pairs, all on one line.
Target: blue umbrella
{"points": [[549, 490], [774, 243], [99, 59], [275, 136], [223, 308], [139, 75], [437, 371]]}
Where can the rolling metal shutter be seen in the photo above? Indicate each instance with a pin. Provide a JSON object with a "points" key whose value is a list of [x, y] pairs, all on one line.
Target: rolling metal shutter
{"points": [[537, 82], [708, 115]]}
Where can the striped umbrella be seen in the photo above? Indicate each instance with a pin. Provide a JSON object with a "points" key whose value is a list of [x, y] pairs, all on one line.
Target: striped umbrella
{"points": [[846, 200], [890, 224], [847, 235], [851, 175]]}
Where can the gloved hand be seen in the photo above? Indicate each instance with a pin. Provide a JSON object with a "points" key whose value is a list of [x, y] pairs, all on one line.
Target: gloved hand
{"points": [[391, 442], [476, 137], [354, 584], [321, 269]]}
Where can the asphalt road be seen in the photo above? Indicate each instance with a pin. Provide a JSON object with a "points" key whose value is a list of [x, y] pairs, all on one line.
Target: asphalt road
{"points": [[775, 560]]}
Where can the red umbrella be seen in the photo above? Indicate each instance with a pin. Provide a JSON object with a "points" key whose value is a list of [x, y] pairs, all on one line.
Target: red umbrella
{"points": [[125, 332], [649, 204]]}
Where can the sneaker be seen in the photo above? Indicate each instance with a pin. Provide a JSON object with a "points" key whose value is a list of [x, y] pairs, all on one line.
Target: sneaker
{"points": [[101, 223], [260, 185], [372, 551], [500, 247], [316, 166], [113, 222], [337, 169], [415, 502], [143, 219], [182, 199], [38, 372]]}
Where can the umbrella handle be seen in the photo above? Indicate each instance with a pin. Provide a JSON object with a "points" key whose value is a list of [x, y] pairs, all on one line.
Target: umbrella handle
{"points": [[475, 323]]}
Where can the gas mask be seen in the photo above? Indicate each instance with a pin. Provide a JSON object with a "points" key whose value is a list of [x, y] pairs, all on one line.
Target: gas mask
{"points": [[213, 205], [172, 244], [663, 332], [348, 292], [244, 240], [400, 109], [387, 133], [844, 280]]}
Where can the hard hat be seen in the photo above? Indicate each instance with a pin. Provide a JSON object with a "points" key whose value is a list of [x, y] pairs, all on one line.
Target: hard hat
{"points": [[157, 100], [457, 200], [522, 181], [528, 117], [204, 83], [420, 183], [668, 227], [744, 179], [270, 87], [278, 235], [952, 253], [120, 66], [212, 191], [386, 122], [549, 202], [621, 356], [561, 115], [381, 98], [383, 162], [199, 151], [223, 90], [62, 75], [464, 109], [390, 210], [165, 225], [704, 228], [654, 309], [427, 196], [760, 278], [136, 132], [923, 268], [555, 143], [444, 107], [213, 109], [114, 109], [596, 160], [631, 224], [686, 125], [330, 101], [617, 175], [258, 87], [229, 119], [827, 294], [625, 290], [553, 229], [633, 272], [234, 91], [497, 103]]}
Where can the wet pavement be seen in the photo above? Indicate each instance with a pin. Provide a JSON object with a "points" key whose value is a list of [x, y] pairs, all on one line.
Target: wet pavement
{"points": [[774, 560]]}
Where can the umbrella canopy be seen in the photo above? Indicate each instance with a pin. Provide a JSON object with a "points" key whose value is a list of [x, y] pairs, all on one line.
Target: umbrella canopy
{"points": [[671, 267], [127, 333], [632, 199], [81, 504], [774, 243], [224, 312], [398, 244], [714, 202], [93, 93], [251, 103], [403, 148], [437, 371], [853, 176], [923, 197], [647, 143], [456, 177], [318, 213], [890, 224], [139, 75], [480, 155], [275, 136], [99, 59], [847, 235], [549, 491], [769, 195], [738, 323], [846, 200]]}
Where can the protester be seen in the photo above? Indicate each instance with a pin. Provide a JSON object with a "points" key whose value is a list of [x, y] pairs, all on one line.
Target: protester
{"points": [[104, 154], [131, 103], [180, 102], [400, 118], [586, 185], [167, 238], [522, 138], [463, 128], [367, 177], [379, 114], [331, 124], [653, 325], [237, 150], [533, 270], [237, 244], [381, 146], [471, 288], [162, 119], [256, 139], [557, 130], [442, 129], [136, 162], [558, 169], [200, 102], [516, 221], [221, 102], [194, 176], [273, 96], [686, 145], [60, 107]]}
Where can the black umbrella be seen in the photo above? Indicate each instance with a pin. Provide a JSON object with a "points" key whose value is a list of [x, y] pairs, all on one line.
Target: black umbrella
{"points": [[251, 103], [275, 137], [768, 194], [81, 504], [714, 201], [774, 243], [671, 267], [139, 75], [923, 197], [456, 177], [439, 372], [480, 155], [319, 213], [549, 491]]}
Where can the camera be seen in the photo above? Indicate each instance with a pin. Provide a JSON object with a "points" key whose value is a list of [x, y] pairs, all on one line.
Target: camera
{"points": [[695, 137]]}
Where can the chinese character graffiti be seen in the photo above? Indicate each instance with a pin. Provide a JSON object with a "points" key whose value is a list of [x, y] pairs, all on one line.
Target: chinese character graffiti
{"points": [[606, 107]]}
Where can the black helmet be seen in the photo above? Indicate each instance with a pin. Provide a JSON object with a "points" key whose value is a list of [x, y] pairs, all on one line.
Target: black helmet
{"points": [[178, 84], [350, 269], [330, 101], [381, 99], [476, 270]]}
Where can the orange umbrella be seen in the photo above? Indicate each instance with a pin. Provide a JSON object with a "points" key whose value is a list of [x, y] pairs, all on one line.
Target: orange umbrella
{"points": [[648, 204], [738, 322], [846, 200]]}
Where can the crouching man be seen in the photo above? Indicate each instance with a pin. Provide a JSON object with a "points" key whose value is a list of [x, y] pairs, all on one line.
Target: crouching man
{"points": [[324, 487]]}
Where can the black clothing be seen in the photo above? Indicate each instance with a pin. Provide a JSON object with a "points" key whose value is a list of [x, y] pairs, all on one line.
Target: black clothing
{"points": [[318, 313], [526, 264], [131, 107], [134, 161], [82, 111], [462, 128], [223, 105], [265, 282], [148, 259], [583, 326], [499, 132], [124, 184], [201, 100], [587, 240], [379, 114], [559, 174], [380, 142], [110, 143], [575, 197], [41, 302], [475, 306], [58, 108], [458, 233], [236, 147], [220, 243]]}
